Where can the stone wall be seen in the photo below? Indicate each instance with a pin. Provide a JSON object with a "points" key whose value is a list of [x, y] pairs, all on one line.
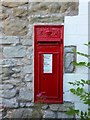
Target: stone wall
{"points": [[15, 17], [16, 41]]}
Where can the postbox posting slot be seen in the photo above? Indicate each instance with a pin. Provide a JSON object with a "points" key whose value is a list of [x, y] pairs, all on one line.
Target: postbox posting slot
{"points": [[46, 43]]}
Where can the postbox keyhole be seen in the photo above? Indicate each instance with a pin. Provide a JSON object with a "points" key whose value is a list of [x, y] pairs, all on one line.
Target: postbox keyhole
{"points": [[44, 78]]}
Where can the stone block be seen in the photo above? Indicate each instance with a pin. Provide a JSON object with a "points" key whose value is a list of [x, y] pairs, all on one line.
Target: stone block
{"points": [[9, 93], [9, 62], [47, 19], [22, 113], [7, 40], [18, 12], [0, 69], [6, 86], [45, 107], [65, 106], [25, 95], [15, 82], [70, 49], [27, 69], [16, 75], [29, 86], [27, 42], [69, 58], [22, 104], [6, 73], [16, 51], [54, 107], [10, 4], [62, 115], [30, 53], [27, 60], [63, 8], [15, 27], [3, 16], [28, 78], [10, 103], [16, 70], [48, 114], [29, 104]]}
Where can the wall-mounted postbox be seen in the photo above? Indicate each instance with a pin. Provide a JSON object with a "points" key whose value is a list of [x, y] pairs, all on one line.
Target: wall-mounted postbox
{"points": [[48, 63]]}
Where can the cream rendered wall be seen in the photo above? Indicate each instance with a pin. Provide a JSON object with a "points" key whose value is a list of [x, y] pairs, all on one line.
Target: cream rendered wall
{"points": [[76, 33]]}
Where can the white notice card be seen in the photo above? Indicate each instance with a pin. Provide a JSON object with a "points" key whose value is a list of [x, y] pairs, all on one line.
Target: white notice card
{"points": [[47, 63]]}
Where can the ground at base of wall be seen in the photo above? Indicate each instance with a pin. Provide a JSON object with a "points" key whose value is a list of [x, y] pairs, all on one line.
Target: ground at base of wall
{"points": [[40, 111]]}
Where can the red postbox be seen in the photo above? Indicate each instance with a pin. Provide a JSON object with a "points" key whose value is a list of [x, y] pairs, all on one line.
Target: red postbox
{"points": [[48, 63]]}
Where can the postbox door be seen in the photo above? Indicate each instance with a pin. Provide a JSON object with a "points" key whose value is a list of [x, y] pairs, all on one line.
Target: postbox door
{"points": [[49, 73]]}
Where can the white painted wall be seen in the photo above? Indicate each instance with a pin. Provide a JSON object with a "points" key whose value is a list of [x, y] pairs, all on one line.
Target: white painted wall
{"points": [[76, 33]]}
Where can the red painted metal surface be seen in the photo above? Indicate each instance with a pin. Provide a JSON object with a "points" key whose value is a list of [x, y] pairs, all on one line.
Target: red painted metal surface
{"points": [[48, 85]]}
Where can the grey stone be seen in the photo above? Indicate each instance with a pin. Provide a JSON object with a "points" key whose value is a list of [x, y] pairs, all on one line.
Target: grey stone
{"points": [[69, 67], [27, 69], [20, 12], [11, 62], [3, 16], [0, 49], [16, 51], [51, 8], [5, 77], [30, 53], [13, 4], [69, 58], [16, 70], [29, 86], [6, 40], [16, 75], [0, 79], [36, 114], [22, 104], [29, 104], [13, 81], [8, 93], [48, 19], [27, 61], [25, 95], [22, 113], [6, 86], [45, 107], [48, 114], [7, 72], [11, 103], [15, 27], [9, 113], [64, 115], [68, 104], [54, 7], [1, 61], [28, 78], [65, 106], [0, 70], [54, 107], [69, 49], [26, 42]]}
